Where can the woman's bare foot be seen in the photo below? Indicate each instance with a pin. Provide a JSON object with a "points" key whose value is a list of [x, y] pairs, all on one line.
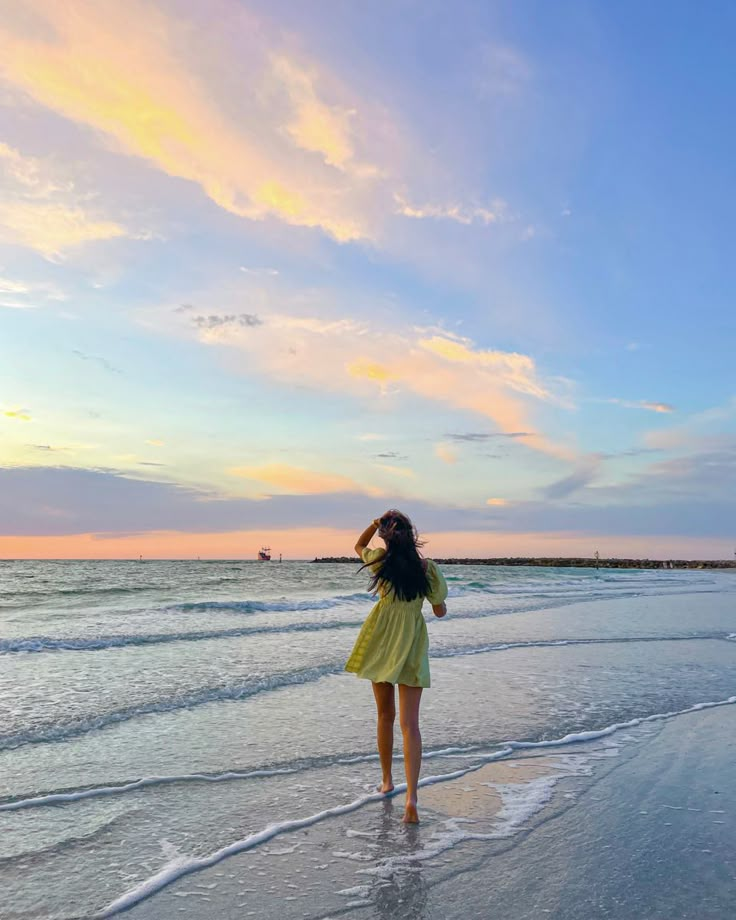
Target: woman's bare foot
{"points": [[386, 786], [410, 813]]}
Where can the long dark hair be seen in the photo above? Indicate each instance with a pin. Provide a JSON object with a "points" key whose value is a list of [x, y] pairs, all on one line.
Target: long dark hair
{"points": [[402, 568]]}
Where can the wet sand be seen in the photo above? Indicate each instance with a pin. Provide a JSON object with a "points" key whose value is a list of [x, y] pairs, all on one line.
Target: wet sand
{"points": [[655, 839]]}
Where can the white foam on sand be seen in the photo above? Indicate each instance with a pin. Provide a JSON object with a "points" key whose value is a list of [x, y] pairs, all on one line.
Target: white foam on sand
{"points": [[59, 798], [181, 866], [454, 652], [518, 807], [76, 795], [578, 737]]}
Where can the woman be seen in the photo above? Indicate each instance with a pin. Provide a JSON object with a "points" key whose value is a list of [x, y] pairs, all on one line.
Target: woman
{"points": [[392, 646]]}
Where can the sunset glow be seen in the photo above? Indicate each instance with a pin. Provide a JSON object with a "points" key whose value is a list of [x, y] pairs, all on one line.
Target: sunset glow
{"points": [[269, 269]]}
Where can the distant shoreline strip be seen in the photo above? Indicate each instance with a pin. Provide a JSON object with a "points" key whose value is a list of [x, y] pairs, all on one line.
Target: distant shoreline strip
{"points": [[576, 562]]}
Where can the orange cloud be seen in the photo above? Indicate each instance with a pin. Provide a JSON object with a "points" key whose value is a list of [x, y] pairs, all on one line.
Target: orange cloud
{"points": [[122, 72], [518, 370], [265, 131], [496, 502], [294, 480], [316, 126], [344, 355], [445, 452]]}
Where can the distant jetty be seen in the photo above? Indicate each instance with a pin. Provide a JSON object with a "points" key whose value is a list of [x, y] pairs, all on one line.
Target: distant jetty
{"points": [[573, 562]]}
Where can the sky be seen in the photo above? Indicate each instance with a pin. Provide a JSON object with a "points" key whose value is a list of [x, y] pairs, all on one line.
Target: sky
{"points": [[270, 268]]}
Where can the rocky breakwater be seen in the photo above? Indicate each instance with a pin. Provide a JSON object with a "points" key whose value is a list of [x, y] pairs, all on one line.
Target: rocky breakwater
{"points": [[573, 562]]}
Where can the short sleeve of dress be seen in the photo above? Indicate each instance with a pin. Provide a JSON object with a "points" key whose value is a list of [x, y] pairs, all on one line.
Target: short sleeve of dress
{"points": [[437, 585], [369, 556]]}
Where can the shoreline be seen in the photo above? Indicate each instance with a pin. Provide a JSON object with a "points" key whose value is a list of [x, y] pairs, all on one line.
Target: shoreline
{"points": [[580, 562]]}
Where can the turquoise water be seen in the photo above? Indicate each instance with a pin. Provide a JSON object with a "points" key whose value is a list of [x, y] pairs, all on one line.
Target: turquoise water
{"points": [[156, 713]]}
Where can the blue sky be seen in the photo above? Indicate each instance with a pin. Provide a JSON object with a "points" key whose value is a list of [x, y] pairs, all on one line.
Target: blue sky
{"points": [[472, 261]]}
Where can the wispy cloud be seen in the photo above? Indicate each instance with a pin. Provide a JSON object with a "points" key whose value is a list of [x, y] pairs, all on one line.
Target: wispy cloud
{"points": [[661, 407], [504, 70], [96, 359], [635, 452], [656, 407], [214, 321], [476, 436], [259, 271], [698, 430], [706, 474], [51, 229], [42, 211], [28, 294], [495, 213], [56, 449], [581, 477]]}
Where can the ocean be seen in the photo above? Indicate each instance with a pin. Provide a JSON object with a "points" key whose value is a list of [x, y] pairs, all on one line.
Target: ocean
{"points": [[179, 739]]}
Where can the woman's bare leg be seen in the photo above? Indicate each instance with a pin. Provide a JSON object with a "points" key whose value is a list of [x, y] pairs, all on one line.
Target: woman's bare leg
{"points": [[386, 707], [409, 699]]}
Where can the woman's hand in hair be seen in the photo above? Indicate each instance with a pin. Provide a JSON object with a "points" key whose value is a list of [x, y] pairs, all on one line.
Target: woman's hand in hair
{"points": [[439, 610], [365, 538]]}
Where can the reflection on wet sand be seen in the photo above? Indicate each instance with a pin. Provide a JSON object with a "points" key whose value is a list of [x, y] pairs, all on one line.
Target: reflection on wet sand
{"points": [[399, 889]]}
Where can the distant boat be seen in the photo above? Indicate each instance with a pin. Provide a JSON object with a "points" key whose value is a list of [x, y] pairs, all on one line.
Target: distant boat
{"points": [[264, 554]]}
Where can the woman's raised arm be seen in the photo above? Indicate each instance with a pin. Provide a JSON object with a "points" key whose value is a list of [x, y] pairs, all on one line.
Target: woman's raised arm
{"points": [[365, 538]]}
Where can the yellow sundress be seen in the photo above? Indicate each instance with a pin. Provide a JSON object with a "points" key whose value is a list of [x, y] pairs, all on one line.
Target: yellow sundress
{"points": [[393, 645]]}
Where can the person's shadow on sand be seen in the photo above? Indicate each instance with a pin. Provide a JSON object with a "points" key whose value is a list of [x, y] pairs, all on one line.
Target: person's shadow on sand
{"points": [[399, 889]]}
